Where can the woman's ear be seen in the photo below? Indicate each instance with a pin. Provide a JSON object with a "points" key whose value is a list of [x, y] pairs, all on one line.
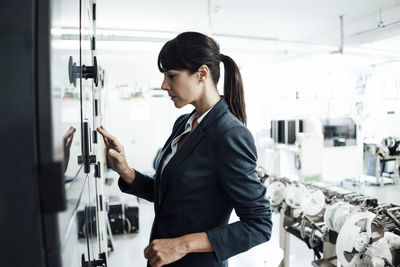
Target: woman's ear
{"points": [[203, 72]]}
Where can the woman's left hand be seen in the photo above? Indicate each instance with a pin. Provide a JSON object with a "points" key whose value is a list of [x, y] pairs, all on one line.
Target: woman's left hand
{"points": [[164, 251]]}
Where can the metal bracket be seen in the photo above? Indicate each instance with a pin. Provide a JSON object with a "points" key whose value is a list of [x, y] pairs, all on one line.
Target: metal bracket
{"points": [[93, 43], [97, 172], [101, 262], [94, 133], [94, 11], [96, 104], [86, 159]]}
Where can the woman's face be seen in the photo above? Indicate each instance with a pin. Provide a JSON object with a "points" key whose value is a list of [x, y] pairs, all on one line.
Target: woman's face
{"points": [[183, 88]]}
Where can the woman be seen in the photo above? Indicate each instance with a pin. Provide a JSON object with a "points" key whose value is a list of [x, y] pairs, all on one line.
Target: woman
{"points": [[206, 168]]}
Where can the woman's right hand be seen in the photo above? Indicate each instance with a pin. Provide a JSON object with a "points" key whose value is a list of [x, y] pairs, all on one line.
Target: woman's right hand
{"points": [[115, 152]]}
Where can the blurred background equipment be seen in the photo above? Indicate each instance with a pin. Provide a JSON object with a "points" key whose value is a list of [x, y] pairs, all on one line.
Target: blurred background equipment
{"points": [[382, 161]]}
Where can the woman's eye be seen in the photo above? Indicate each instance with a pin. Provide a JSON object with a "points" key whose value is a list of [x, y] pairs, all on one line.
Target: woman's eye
{"points": [[171, 76]]}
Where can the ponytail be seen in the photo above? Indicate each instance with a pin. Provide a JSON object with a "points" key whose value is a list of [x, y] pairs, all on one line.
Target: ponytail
{"points": [[233, 89]]}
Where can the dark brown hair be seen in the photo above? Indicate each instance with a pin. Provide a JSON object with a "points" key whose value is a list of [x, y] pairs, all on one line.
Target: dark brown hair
{"points": [[190, 50]]}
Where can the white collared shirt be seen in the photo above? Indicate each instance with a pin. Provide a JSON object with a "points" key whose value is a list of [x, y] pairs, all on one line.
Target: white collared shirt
{"points": [[188, 128]]}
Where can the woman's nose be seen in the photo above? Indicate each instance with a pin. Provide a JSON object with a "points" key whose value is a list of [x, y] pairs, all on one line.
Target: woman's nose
{"points": [[165, 85]]}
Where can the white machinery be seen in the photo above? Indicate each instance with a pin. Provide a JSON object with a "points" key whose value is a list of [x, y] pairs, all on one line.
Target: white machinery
{"points": [[343, 228]]}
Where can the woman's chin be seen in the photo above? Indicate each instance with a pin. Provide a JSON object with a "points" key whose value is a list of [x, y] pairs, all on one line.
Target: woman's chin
{"points": [[178, 104]]}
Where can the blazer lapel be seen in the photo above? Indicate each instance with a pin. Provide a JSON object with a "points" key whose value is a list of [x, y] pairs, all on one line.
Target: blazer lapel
{"points": [[165, 151], [188, 146], [179, 129], [176, 160]]}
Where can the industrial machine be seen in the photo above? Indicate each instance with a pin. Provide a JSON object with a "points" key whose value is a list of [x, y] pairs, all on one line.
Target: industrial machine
{"points": [[382, 160], [122, 219], [343, 228]]}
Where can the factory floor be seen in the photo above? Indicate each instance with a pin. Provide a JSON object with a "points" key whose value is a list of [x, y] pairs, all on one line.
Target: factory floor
{"points": [[388, 193], [128, 249]]}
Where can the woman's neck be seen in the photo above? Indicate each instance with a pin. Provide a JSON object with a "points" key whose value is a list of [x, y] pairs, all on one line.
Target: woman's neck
{"points": [[206, 101]]}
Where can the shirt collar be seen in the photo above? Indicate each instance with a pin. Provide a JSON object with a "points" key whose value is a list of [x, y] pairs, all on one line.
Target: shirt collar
{"points": [[190, 121]]}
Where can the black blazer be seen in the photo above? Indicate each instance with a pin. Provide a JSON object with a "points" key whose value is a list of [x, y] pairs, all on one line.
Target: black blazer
{"points": [[213, 172]]}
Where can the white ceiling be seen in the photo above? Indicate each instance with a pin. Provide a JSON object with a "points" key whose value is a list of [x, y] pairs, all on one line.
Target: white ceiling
{"points": [[305, 21]]}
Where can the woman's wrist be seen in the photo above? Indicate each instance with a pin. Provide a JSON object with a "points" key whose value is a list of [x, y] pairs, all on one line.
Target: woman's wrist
{"points": [[184, 245], [197, 242], [128, 175]]}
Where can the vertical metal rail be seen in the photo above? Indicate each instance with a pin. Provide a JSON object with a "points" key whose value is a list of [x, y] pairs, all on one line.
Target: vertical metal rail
{"points": [[98, 150]]}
